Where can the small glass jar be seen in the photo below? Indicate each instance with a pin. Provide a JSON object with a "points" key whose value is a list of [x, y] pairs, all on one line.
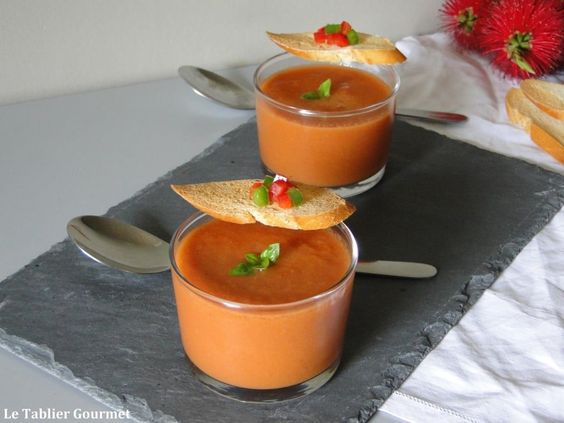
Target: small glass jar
{"points": [[262, 353], [344, 150]]}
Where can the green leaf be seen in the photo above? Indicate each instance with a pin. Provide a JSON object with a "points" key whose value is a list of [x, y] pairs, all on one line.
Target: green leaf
{"points": [[523, 64], [311, 95], [519, 43], [295, 196], [272, 252], [242, 269], [252, 259], [263, 265], [332, 28], [253, 262], [324, 89]]}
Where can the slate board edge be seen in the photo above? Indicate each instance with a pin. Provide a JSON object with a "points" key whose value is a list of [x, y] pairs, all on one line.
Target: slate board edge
{"points": [[43, 356], [401, 366]]}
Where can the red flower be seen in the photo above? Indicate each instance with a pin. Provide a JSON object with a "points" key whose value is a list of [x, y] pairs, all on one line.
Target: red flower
{"points": [[462, 19], [525, 38]]}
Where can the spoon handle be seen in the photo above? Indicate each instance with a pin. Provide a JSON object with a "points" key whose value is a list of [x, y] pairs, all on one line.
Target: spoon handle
{"points": [[431, 116], [397, 269]]}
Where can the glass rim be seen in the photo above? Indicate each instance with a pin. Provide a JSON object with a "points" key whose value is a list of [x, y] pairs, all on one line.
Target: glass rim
{"points": [[198, 216], [316, 113]]}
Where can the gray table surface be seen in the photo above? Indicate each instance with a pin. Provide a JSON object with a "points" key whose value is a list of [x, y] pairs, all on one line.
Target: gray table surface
{"points": [[65, 156]]}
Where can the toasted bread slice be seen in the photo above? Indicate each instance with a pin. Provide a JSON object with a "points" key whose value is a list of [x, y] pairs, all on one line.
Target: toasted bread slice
{"points": [[229, 201], [371, 49], [547, 96], [546, 131]]}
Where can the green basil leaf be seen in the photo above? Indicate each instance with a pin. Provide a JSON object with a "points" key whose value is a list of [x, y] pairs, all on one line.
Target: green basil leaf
{"points": [[252, 259], [254, 262], [271, 252], [324, 89], [311, 95], [242, 269], [263, 264]]}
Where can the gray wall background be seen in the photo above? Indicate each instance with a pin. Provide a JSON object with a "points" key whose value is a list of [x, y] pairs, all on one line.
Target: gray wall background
{"points": [[55, 47]]}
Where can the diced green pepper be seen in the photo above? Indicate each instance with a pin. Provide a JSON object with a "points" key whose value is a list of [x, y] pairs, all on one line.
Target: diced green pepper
{"points": [[260, 196], [295, 196], [353, 37], [332, 28], [267, 182]]}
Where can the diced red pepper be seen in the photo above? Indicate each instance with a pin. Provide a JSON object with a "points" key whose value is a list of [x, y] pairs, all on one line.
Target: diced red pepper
{"points": [[341, 35], [337, 40], [279, 191], [320, 36], [278, 188], [284, 201]]}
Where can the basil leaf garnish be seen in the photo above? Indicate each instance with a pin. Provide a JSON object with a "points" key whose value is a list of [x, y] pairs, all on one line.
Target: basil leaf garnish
{"points": [[242, 269], [271, 252], [252, 259], [323, 91], [311, 95], [255, 262]]}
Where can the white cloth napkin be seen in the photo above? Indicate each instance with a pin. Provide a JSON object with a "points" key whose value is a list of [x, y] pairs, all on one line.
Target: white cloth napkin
{"points": [[504, 361]]}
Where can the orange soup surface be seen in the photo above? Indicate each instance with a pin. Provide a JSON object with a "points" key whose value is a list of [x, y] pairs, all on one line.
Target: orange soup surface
{"points": [[310, 262], [325, 150], [351, 88]]}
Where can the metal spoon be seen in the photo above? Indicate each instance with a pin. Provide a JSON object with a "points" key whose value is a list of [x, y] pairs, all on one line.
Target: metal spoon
{"points": [[215, 87], [126, 247]]}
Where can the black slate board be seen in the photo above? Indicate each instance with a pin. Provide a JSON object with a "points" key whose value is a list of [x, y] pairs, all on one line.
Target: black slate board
{"points": [[466, 210]]}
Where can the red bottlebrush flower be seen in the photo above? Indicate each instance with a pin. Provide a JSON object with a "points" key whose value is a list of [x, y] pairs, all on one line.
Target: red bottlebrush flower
{"points": [[525, 38], [462, 19]]}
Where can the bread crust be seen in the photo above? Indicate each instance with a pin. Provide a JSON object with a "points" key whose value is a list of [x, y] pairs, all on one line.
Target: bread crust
{"points": [[544, 130], [547, 96], [229, 201], [371, 49]]}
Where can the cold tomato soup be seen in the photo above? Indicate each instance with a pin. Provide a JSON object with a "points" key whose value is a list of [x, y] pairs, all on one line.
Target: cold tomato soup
{"points": [[334, 141], [272, 329]]}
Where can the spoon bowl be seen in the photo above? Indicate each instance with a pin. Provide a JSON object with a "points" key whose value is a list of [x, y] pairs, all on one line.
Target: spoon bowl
{"points": [[119, 245], [215, 87], [126, 247]]}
